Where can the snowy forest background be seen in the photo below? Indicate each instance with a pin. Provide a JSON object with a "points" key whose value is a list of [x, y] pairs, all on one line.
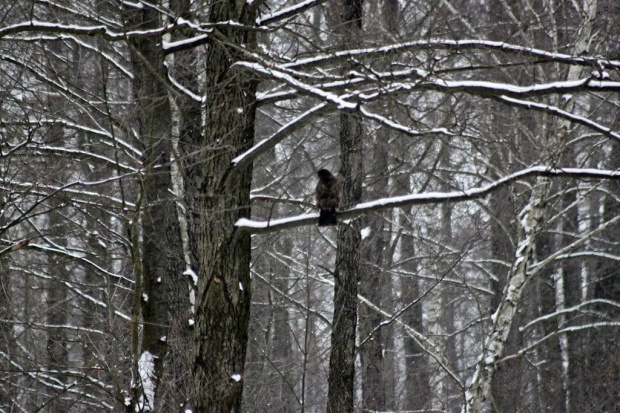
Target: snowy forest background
{"points": [[136, 136]]}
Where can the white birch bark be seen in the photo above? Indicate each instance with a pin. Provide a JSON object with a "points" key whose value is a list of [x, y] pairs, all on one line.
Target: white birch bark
{"points": [[530, 224]]}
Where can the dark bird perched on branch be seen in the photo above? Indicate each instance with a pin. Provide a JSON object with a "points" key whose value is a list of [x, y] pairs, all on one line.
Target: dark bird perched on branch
{"points": [[328, 193]]}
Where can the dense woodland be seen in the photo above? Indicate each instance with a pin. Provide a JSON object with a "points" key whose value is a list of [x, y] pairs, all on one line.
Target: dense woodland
{"points": [[159, 248]]}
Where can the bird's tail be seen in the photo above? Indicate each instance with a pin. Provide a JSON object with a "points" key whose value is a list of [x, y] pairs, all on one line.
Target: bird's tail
{"points": [[327, 217]]}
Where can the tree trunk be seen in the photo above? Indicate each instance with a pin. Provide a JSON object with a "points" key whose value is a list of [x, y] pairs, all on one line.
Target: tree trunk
{"points": [[216, 199], [162, 256], [341, 380], [57, 309], [371, 277], [342, 359], [531, 223], [509, 373], [417, 389]]}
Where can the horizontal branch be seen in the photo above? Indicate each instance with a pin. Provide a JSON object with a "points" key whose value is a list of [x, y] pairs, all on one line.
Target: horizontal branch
{"points": [[288, 12], [263, 227], [108, 33], [456, 45], [562, 114]]}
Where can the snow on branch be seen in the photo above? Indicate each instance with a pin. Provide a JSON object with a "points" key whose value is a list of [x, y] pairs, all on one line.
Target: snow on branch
{"points": [[248, 156], [561, 113], [456, 45], [107, 33], [478, 87], [288, 12], [262, 227], [569, 329], [276, 73], [573, 309]]}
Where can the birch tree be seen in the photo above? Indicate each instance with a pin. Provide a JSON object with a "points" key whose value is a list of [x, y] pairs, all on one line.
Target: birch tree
{"points": [[522, 97]]}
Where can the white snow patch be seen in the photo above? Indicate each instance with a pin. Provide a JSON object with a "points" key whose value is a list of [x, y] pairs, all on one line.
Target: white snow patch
{"points": [[240, 286], [190, 322], [158, 279], [146, 369], [163, 338], [248, 223], [489, 360], [145, 297], [366, 232], [190, 273], [239, 110], [184, 42], [236, 377]]}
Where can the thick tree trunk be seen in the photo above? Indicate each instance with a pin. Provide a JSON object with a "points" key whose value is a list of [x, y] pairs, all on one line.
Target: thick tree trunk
{"points": [[162, 256], [451, 394], [341, 380], [282, 338], [186, 116], [216, 199], [342, 359], [57, 309]]}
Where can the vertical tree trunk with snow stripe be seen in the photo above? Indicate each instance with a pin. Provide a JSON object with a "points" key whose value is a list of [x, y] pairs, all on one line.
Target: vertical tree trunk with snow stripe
{"points": [[567, 275], [162, 254], [530, 225]]}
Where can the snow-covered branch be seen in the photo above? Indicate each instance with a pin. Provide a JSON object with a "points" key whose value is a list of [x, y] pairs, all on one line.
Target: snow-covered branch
{"points": [[102, 30], [456, 45], [246, 158], [561, 113], [288, 12], [260, 227]]}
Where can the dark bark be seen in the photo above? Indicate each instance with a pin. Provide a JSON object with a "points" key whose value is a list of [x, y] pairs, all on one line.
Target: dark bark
{"points": [[162, 255], [216, 200], [341, 379], [448, 296], [6, 331], [282, 338], [371, 277], [604, 363], [550, 387], [342, 358], [57, 309], [417, 388], [177, 382]]}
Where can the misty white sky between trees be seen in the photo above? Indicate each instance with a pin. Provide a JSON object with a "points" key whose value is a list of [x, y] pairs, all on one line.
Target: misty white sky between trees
{"points": [[159, 248]]}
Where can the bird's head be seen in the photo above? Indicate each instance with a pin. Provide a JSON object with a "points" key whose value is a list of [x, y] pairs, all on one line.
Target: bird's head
{"points": [[324, 175]]}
